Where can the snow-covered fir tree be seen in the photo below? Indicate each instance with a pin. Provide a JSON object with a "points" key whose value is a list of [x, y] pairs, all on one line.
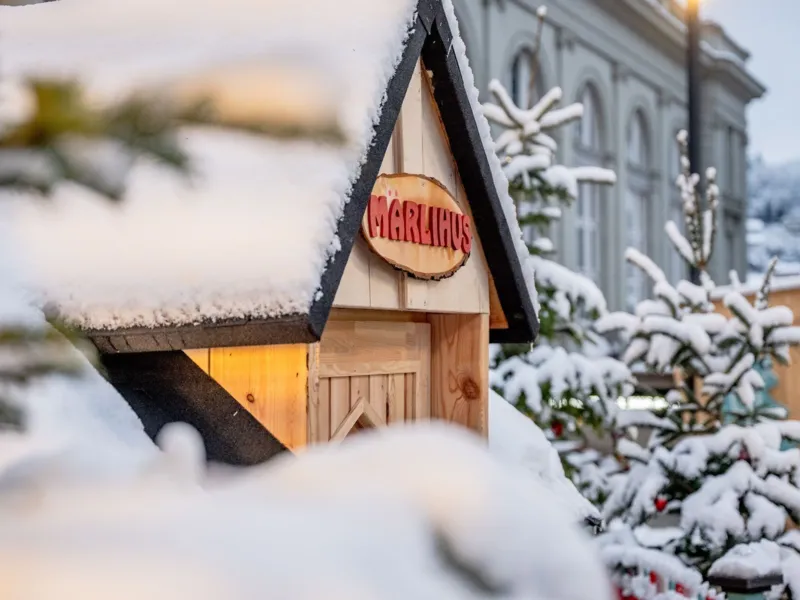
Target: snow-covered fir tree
{"points": [[679, 331], [567, 380], [736, 486], [722, 475]]}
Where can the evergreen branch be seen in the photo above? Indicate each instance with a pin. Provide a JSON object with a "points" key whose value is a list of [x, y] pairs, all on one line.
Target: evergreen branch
{"points": [[762, 296]]}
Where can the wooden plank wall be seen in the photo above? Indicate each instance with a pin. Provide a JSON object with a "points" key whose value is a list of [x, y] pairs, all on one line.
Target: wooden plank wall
{"points": [[459, 365], [372, 371], [787, 391], [270, 382], [460, 370], [419, 145]]}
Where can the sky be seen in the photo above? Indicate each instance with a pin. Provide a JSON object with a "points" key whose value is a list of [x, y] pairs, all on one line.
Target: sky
{"points": [[770, 30]]}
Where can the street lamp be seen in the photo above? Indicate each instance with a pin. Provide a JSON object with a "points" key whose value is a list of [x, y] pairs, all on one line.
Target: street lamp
{"points": [[694, 89]]}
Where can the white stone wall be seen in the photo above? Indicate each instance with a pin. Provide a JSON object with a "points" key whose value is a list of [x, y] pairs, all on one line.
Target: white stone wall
{"points": [[635, 60]]}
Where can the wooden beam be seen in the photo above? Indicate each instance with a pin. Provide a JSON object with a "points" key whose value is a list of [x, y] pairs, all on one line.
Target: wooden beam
{"points": [[497, 318], [314, 413], [460, 370], [366, 314], [165, 387], [271, 382]]}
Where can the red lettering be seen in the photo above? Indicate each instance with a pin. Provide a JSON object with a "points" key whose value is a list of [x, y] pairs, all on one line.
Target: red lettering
{"points": [[411, 210], [445, 233], [433, 221], [458, 231], [466, 241], [396, 229], [377, 216], [424, 225]]}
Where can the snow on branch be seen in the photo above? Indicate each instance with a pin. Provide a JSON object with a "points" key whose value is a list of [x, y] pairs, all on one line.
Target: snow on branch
{"points": [[595, 175], [637, 258]]}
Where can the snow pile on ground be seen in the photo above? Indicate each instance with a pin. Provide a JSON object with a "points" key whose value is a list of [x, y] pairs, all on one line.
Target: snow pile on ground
{"points": [[411, 512], [516, 440]]}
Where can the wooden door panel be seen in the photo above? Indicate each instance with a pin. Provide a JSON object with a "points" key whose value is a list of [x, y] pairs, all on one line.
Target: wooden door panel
{"points": [[371, 374]]}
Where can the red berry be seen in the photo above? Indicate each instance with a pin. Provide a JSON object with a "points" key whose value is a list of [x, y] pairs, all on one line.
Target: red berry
{"points": [[661, 503], [679, 589], [557, 428], [653, 577], [743, 455]]}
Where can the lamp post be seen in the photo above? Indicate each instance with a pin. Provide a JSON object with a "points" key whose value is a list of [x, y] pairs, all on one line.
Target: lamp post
{"points": [[694, 89]]}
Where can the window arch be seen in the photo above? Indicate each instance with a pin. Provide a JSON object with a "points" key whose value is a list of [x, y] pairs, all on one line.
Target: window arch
{"points": [[589, 131], [638, 148], [676, 265], [637, 203], [589, 152], [521, 71]]}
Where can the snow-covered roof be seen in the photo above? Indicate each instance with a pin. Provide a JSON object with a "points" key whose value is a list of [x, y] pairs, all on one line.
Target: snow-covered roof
{"points": [[256, 232]]}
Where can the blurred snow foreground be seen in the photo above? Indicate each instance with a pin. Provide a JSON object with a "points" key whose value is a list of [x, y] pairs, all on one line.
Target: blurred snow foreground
{"points": [[90, 508], [417, 512]]}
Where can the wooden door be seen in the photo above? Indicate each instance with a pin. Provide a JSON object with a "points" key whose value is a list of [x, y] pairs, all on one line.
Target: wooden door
{"points": [[371, 374]]}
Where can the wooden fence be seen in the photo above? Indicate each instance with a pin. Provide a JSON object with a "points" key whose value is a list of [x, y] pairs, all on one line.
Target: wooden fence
{"points": [[787, 391]]}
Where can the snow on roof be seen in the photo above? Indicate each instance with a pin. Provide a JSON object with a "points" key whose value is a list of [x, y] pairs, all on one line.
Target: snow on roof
{"points": [[251, 233], [250, 236]]}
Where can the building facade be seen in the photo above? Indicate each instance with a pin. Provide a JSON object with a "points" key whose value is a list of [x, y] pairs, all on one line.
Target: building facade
{"points": [[625, 61]]}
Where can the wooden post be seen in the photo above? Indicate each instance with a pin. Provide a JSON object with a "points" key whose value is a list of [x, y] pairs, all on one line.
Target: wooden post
{"points": [[460, 370]]}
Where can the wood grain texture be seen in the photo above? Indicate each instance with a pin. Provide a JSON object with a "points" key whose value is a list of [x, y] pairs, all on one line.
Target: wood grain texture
{"points": [[460, 370], [371, 373], [497, 318], [313, 400], [201, 357], [271, 382], [448, 295], [358, 314], [419, 145]]}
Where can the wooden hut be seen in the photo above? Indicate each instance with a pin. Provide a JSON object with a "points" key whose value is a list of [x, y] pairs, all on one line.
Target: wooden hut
{"points": [[427, 268]]}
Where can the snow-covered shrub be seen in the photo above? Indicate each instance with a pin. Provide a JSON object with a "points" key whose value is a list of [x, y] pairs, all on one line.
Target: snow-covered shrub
{"points": [[567, 380], [679, 330], [711, 478]]}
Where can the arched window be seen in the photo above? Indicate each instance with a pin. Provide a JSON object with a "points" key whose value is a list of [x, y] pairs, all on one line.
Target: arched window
{"points": [[637, 204], [638, 144], [587, 206], [677, 268], [522, 68], [588, 132]]}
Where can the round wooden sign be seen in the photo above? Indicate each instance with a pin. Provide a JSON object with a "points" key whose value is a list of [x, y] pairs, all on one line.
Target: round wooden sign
{"points": [[414, 224]]}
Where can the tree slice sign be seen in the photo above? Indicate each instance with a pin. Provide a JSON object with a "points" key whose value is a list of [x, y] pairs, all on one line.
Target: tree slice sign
{"points": [[414, 224]]}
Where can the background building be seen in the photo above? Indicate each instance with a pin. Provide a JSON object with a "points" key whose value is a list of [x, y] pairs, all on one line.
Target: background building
{"points": [[625, 61]]}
